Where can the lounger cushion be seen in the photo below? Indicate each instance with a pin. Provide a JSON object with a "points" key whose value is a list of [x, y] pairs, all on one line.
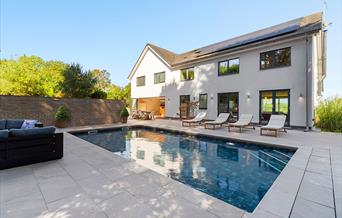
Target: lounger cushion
{"points": [[2, 124], [14, 124], [3, 134], [35, 131]]}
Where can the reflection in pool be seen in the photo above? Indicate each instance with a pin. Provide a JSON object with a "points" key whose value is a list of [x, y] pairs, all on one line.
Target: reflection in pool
{"points": [[237, 173]]}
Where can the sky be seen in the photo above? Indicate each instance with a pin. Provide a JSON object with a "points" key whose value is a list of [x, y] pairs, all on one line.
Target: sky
{"points": [[110, 35]]}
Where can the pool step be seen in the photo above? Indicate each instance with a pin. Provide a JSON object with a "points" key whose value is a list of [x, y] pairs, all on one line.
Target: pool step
{"points": [[281, 161], [266, 162], [281, 153]]}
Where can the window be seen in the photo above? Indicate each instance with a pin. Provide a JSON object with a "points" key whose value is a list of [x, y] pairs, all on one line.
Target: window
{"points": [[203, 100], [141, 81], [187, 74], [159, 77], [229, 67], [275, 58]]}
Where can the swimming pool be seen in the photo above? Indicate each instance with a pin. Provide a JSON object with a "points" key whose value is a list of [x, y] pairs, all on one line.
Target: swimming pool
{"points": [[236, 172]]}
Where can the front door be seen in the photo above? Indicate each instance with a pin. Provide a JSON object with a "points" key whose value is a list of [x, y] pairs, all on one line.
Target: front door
{"points": [[274, 102], [184, 106]]}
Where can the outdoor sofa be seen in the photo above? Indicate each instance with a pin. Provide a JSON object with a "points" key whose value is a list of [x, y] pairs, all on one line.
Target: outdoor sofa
{"points": [[22, 146]]}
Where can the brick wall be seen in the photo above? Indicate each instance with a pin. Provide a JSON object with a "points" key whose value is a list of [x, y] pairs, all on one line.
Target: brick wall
{"points": [[83, 111]]}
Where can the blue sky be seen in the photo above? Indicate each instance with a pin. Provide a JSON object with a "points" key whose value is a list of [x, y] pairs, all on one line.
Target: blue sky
{"points": [[111, 34]]}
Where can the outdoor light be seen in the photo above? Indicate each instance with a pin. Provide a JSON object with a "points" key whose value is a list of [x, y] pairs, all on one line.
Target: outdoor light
{"points": [[300, 96], [248, 96], [211, 96]]}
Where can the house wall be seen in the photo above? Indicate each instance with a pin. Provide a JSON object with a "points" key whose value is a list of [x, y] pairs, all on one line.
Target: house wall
{"points": [[250, 80]]}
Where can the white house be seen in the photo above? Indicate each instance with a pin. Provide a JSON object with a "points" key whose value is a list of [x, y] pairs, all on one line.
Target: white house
{"points": [[275, 70]]}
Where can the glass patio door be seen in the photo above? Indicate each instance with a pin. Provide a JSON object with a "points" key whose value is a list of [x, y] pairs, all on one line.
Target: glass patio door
{"points": [[274, 102], [228, 103]]}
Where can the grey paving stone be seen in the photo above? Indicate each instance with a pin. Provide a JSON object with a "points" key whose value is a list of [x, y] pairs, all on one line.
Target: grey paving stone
{"points": [[316, 167], [277, 202], [156, 178], [317, 179], [79, 205], [16, 184], [316, 193], [304, 209], [58, 187], [29, 206], [124, 205], [48, 169], [100, 188], [178, 207]]}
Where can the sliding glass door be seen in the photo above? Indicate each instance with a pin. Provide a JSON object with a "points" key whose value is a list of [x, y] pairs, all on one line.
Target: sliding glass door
{"points": [[228, 103], [274, 102]]}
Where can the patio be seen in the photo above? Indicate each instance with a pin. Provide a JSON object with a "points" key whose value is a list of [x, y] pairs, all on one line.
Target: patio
{"points": [[92, 182]]}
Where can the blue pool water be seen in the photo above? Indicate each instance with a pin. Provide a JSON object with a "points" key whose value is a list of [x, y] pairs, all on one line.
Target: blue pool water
{"points": [[237, 173]]}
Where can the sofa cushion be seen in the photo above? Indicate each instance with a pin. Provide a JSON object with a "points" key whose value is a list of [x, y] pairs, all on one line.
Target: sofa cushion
{"points": [[2, 124], [14, 124], [3, 134], [35, 131], [28, 124]]}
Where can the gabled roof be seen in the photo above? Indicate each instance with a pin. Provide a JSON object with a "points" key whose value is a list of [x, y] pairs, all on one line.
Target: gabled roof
{"points": [[167, 55], [296, 27]]}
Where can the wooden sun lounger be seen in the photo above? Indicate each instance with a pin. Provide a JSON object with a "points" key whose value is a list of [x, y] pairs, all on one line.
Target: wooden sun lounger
{"points": [[245, 121], [276, 124], [197, 120], [220, 120]]}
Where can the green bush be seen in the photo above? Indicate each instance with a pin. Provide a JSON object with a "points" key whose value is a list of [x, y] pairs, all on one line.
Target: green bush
{"points": [[99, 94], [124, 112], [329, 115], [62, 114]]}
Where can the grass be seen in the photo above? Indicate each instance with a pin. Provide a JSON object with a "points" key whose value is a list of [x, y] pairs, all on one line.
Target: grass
{"points": [[328, 115]]}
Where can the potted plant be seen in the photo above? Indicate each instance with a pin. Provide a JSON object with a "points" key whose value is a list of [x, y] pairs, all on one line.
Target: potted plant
{"points": [[124, 115], [62, 116]]}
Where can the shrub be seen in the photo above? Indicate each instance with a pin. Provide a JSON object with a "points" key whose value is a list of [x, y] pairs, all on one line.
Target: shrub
{"points": [[62, 114], [124, 112], [328, 115], [99, 94]]}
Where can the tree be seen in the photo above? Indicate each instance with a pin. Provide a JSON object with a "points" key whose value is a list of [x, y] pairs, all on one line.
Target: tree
{"points": [[102, 79], [120, 93], [30, 75], [77, 83]]}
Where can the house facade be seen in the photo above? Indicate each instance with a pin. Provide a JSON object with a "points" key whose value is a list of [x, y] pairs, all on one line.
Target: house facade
{"points": [[277, 70]]}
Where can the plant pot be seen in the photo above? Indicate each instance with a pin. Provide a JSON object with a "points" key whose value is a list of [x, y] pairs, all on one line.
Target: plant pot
{"points": [[60, 124], [124, 119]]}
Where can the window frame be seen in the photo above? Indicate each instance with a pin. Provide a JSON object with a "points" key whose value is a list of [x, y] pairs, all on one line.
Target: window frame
{"points": [[206, 102], [154, 78], [273, 55], [139, 77], [187, 72], [228, 73]]}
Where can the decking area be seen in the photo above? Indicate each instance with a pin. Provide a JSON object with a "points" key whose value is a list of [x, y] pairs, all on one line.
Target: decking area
{"points": [[92, 182]]}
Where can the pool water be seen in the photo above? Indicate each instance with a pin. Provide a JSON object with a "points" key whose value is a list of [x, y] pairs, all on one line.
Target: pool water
{"points": [[237, 173]]}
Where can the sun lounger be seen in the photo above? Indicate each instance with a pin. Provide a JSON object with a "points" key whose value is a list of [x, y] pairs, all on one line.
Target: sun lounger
{"points": [[197, 120], [220, 120], [276, 124], [245, 120]]}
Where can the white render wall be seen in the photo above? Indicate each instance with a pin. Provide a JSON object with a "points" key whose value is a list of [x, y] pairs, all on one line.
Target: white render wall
{"points": [[250, 80]]}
